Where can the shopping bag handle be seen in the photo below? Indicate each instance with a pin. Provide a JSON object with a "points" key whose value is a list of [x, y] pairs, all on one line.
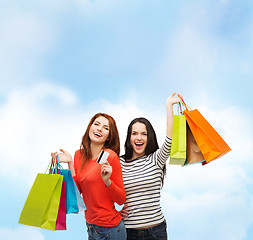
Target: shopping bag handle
{"points": [[179, 109], [182, 100], [58, 163], [52, 167]]}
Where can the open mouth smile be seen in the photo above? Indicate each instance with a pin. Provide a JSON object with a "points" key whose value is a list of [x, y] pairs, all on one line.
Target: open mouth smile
{"points": [[139, 145], [97, 134]]}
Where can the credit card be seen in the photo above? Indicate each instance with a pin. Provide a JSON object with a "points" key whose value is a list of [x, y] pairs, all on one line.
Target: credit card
{"points": [[102, 157]]}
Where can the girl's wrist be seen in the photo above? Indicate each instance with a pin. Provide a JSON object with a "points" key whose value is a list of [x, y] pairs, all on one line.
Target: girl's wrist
{"points": [[70, 164], [169, 108], [107, 182]]}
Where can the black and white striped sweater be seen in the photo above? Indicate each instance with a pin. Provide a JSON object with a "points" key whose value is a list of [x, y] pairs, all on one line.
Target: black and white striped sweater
{"points": [[142, 181]]}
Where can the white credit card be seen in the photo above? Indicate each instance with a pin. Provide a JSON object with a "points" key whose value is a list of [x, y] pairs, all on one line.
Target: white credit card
{"points": [[102, 158]]}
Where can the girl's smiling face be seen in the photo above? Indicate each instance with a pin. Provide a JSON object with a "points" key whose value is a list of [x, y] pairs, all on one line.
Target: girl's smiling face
{"points": [[99, 130], [139, 137]]}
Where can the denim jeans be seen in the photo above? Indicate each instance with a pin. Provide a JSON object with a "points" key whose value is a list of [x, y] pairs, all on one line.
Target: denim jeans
{"points": [[96, 232], [158, 232]]}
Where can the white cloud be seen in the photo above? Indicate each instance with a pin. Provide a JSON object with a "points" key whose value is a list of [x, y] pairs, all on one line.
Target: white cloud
{"points": [[21, 233], [207, 216], [34, 122], [42, 118], [208, 202]]}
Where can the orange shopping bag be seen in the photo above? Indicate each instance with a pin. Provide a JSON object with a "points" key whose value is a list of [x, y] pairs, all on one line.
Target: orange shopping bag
{"points": [[209, 141]]}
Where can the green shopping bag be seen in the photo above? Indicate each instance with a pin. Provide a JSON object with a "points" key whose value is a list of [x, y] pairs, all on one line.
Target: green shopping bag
{"points": [[178, 145], [42, 204]]}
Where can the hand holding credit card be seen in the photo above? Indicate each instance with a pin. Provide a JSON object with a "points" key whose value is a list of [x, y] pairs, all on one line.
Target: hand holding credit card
{"points": [[102, 158]]}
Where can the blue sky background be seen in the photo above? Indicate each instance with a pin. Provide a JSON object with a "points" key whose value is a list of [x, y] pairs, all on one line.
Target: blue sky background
{"points": [[62, 61]]}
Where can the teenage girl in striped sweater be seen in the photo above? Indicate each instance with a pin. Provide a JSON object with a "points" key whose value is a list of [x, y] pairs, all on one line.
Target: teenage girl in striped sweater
{"points": [[143, 169]]}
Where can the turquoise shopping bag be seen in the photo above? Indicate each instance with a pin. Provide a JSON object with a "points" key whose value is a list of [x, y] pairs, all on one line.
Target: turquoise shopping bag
{"points": [[74, 200], [71, 199]]}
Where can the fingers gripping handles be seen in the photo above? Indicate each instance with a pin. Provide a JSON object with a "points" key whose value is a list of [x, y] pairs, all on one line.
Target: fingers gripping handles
{"points": [[183, 103], [53, 166]]}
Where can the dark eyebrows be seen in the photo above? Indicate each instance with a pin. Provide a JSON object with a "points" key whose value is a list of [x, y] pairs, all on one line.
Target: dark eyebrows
{"points": [[133, 131], [96, 121]]}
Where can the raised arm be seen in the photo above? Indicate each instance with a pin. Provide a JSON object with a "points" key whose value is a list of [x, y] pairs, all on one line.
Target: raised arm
{"points": [[170, 116], [164, 152]]}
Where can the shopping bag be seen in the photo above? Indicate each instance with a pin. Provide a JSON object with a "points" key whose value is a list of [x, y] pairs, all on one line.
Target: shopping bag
{"points": [[209, 141], [80, 202], [193, 153], [42, 204], [71, 200], [74, 200], [178, 145], [61, 217], [72, 206]]}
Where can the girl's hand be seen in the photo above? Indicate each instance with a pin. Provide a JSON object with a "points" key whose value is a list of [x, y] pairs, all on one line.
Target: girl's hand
{"points": [[170, 116], [172, 100], [124, 212], [54, 154], [64, 156], [106, 172]]}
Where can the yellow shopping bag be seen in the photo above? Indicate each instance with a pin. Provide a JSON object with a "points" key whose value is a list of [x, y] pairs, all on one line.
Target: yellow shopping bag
{"points": [[42, 204]]}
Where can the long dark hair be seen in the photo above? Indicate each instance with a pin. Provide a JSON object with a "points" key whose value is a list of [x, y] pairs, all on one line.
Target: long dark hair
{"points": [[112, 142], [152, 144]]}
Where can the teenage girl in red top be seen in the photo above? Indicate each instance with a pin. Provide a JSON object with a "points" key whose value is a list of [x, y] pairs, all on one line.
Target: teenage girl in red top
{"points": [[100, 184]]}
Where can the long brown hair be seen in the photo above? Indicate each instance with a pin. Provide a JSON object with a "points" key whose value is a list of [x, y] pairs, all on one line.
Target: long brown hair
{"points": [[112, 142]]}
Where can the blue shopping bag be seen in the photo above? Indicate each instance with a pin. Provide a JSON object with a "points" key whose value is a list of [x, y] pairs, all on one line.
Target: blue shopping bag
{"points": [[71, 199], [75, 203], [80, 202]]}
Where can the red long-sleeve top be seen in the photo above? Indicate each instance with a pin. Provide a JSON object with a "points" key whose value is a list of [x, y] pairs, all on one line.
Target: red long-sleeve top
{"points": [[98, 198]]}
